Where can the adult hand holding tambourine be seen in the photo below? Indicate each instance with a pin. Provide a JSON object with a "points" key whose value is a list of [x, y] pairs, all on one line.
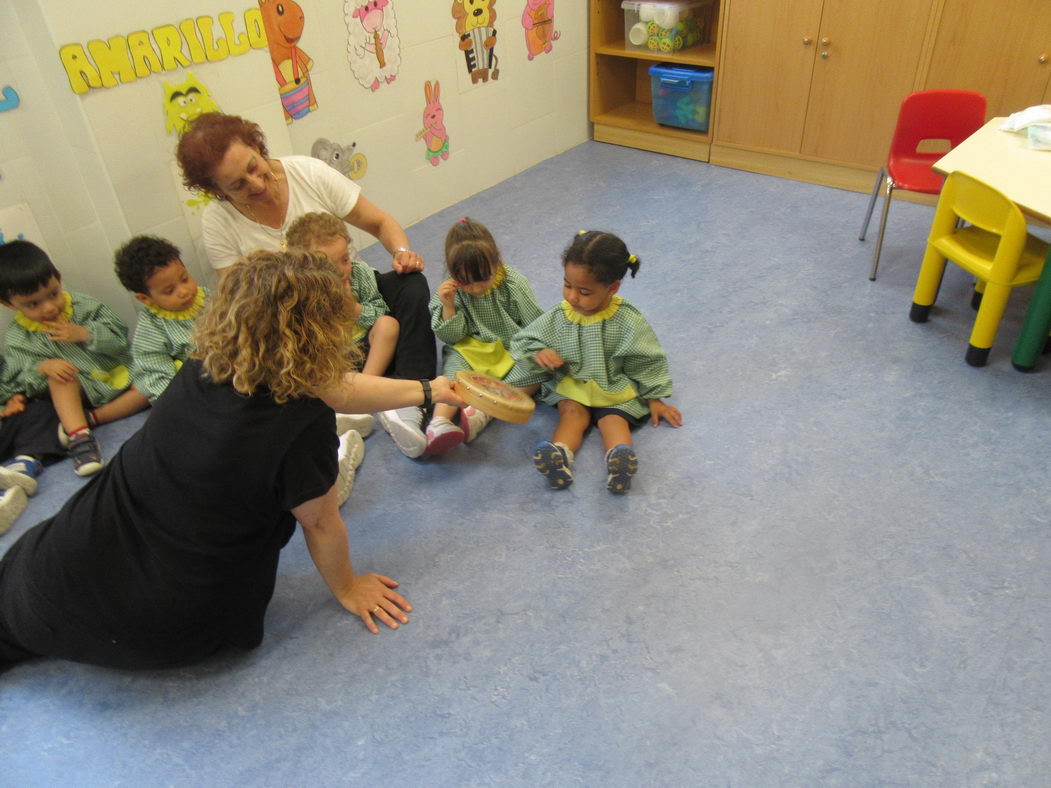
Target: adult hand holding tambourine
{"points": [[493, 396]]}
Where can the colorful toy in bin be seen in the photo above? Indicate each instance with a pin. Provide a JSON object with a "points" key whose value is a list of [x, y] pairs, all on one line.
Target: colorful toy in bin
{"points": [[666, 26], [681, 95]]}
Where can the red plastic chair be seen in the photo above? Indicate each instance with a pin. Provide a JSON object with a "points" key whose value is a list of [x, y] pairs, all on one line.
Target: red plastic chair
{"points": [[952, 115]]}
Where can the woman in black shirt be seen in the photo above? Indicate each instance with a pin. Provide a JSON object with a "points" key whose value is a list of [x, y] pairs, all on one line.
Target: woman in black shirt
{"points": [[171, 552]]}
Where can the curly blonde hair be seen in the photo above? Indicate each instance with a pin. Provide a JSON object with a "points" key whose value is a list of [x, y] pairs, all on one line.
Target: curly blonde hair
{"points": [[279, 322], [317, 227]]}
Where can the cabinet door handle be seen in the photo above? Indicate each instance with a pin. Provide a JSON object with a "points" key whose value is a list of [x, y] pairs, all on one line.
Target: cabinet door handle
{"points": [[824, 55], [807, 40], [825, 41], [1042, 59]]}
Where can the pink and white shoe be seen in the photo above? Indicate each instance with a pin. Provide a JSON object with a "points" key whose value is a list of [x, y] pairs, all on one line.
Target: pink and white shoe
{"points": [[473, 421], [443, 435]]}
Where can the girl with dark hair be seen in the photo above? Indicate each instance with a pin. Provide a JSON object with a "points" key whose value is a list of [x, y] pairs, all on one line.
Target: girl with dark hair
{"points": [[599, 362], [475, 312]]}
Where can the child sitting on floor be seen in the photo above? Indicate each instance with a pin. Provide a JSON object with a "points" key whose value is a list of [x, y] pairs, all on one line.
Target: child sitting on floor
{"points": [[152, 270], [605, 365], [376, 331], [475, 312], [69, 345]]}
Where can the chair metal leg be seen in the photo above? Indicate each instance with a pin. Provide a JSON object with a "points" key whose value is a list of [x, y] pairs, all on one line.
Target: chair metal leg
{"points": [[872, 204], [882, 227]]}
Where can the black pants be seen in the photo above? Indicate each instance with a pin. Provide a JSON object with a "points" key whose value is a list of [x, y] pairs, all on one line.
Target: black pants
{"points": [[34, 431], [407, 296]]}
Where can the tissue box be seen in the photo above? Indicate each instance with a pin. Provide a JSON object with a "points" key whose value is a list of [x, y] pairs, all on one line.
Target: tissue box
{"points": [[667, 26], [682, 95]]}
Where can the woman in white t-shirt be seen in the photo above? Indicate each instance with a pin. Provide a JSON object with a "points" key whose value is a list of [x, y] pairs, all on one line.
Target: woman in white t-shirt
{"points": [[256, 199]]}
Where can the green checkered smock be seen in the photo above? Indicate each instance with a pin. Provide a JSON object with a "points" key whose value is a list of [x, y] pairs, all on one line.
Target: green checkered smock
{"points": [[363, 283], [612, 359], [161, 343], [104, 361], [479, 334]]}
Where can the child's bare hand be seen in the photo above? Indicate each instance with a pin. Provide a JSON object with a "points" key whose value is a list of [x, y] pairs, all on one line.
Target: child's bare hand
{"points": [[548, 359], [57, 369], [660, 410], [67, 332], [447, 292], [16, 404]]}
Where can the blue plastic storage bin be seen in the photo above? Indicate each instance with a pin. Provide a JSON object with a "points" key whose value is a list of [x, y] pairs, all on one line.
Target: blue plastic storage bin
{"points": [[682, 95]]}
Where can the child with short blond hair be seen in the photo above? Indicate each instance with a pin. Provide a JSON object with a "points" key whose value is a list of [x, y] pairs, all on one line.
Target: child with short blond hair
{"points": [[69, 345], [376, 330]]}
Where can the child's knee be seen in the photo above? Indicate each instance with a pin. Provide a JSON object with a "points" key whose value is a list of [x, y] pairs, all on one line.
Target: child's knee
{"points": [[571, 409]]}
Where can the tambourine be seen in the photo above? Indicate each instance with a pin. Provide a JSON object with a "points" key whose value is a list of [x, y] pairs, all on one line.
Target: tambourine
{"points": [[493, 397]]}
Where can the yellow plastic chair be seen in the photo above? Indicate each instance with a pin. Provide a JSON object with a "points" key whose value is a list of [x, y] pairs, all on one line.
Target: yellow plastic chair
{"points": [[993, 246]]}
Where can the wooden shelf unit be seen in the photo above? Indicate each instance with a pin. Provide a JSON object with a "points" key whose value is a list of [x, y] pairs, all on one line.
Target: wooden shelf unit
{"points": [[620, 103]]}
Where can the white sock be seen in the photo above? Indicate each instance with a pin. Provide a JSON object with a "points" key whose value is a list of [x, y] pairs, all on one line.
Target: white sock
{"points": [[567, 450]]}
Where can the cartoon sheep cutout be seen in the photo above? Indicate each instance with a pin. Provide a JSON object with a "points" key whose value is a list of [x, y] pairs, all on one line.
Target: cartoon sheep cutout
{"points": [[373, 46]]}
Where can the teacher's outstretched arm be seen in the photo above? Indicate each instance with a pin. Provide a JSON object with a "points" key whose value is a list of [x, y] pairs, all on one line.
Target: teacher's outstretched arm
{"points": [[368, 595], [361, 393]]}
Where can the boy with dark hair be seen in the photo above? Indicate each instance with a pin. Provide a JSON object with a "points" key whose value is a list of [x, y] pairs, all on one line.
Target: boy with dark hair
{"points": [[152, 269], [68, 345]]}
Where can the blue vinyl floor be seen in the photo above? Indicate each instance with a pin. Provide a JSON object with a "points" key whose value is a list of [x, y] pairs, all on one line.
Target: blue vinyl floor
{"points": [[838, 573]]}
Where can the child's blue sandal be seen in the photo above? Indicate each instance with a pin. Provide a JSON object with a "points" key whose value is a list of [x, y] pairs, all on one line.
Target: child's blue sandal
{"points": [[552, 462], [621, 465]]}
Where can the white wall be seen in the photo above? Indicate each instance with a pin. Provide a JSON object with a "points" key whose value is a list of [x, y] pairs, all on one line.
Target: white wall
{"points": [[97, 168]]}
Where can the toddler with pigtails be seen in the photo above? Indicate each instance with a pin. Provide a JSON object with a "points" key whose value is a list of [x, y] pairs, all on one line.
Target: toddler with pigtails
{"points": [[600, 363], [475, 312]]}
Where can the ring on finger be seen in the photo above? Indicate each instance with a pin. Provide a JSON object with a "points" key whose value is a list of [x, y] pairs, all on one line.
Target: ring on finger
{"points": [[375, 610]]}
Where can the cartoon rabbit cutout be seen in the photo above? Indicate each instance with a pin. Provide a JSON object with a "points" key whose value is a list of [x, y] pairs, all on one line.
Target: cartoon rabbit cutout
{"points": [[433, 132]]}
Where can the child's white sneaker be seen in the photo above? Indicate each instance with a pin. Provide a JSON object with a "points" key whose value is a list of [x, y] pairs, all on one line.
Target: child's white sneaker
{"points": [[473, 421], [361, 423], [21, 471], [351, 454], [443, 435], [552, 460], [12, 504], [405, 426], [621, 465]]}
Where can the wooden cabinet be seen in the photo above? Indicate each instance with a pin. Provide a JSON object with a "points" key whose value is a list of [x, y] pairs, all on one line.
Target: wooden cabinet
{"points": [[810, 89], [620, 103], [1001, 48], [819, 78]]}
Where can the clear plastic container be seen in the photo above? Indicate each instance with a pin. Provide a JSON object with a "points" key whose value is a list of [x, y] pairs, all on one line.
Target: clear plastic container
{"points": [[668, 26], [682, 95]]}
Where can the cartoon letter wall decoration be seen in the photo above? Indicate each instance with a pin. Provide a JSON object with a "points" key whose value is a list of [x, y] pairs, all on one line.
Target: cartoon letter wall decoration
{"points": [[10, 100], [433, 132], [538, 19], [341, 158], [373, 45], [284, 22], [476, 28], [184, 101]]}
